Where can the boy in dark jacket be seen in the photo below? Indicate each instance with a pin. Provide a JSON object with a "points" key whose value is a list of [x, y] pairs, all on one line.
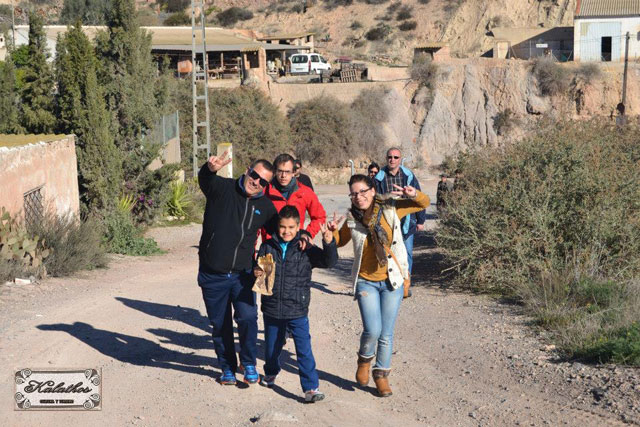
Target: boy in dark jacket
{"points": [[288, 307]]}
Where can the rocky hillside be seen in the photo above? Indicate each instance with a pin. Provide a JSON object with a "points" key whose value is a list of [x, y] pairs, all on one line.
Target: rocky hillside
{"points": [[462, 23], [347, 24], [488, 102]]}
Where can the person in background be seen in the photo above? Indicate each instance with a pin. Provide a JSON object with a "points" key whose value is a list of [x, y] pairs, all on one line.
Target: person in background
{"points": [[297, 169], [441, 194], [286, 190], [373, 170], [395, 174]]}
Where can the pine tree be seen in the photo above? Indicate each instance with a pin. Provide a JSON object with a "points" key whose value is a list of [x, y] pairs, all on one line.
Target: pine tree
{"points": [[130, 77], [38, 91], [9, 108], [82, 111], [90, 12]]}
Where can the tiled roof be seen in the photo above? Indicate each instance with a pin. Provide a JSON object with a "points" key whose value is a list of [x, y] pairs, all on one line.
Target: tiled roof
{"points": [[607, 8]]}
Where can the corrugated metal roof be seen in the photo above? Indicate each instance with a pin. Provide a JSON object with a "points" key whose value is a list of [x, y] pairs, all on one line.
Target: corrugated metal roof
{"points": [[159, 35], [431, 45], [607, 8], [228, 48], [20, 140], [285, 36]]}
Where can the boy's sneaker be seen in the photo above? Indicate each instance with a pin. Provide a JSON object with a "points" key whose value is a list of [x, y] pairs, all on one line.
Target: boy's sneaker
{"points": [[314, 395], [268, 380], [251, 375], [228, 377]]}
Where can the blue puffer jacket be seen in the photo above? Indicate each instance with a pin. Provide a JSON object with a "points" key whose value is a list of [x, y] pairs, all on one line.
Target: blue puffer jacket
{"points": [[409, 222], [291, 290]]}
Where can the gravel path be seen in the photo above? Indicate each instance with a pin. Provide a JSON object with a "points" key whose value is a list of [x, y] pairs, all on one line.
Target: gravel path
{"points": [[460, 359]]}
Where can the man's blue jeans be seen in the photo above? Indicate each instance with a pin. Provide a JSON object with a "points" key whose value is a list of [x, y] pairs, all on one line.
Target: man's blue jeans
{"points": [[220, 293], [408, 243], [274, 337], [379, 305]]}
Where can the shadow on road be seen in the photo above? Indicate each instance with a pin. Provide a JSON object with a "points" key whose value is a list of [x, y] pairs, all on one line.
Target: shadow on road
{"points": [[190, 316], [429, 263], [134, 350]]}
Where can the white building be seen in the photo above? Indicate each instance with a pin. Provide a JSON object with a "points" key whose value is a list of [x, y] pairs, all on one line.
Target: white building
{"points": [[601, 27]]}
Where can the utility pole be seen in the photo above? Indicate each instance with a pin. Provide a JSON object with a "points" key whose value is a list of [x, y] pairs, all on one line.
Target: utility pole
{"points": [[204, 96], [622, 105], [13, 26]]}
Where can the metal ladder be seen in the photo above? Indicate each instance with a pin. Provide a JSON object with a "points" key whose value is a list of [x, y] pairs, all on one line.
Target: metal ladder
{"points": [[204, 76]]}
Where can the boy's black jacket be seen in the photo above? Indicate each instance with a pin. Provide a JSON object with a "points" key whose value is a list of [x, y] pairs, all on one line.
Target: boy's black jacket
{"points": [[231, 223], [291, 290]]}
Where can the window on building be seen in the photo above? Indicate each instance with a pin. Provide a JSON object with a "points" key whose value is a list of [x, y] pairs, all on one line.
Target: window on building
{"points": [[33, 206]]}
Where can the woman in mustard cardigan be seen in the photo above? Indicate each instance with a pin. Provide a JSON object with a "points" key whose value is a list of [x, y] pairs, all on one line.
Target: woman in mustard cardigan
{"points": [[379, 269]]}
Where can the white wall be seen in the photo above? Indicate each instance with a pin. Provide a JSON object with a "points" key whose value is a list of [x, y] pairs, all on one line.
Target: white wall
{"points": [[587, 38]]}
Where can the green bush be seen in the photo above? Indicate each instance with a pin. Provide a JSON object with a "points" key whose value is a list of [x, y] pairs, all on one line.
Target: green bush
{"points": [[405, 12], [74, 244], [424, 71], [321, 128], [620, 346], [588, 72], [244, 117], [123, 237], [503, 121], [552, 78], [408, 26], [179, 199], [368, 114], [231, 16], [554, 221], [379, 32], [332, 4], [356, 25], [177, 19]]}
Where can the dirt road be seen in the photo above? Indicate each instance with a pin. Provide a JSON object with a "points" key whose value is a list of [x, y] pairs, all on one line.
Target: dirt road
{"points": [[460, 359]]}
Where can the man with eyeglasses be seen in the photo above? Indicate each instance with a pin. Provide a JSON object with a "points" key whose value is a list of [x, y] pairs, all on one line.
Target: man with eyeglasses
{"points": [[286, 189], [396, 174], [234, 212]]}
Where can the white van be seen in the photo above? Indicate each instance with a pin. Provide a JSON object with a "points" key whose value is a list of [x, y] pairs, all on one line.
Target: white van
{"points": [[308, 63]]}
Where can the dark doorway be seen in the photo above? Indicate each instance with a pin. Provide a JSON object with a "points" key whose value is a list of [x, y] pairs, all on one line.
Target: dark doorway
{"points": [[606, 49]]}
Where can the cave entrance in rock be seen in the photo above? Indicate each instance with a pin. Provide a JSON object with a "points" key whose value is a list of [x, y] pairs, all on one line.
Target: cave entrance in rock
{"points": [[605, 49]]}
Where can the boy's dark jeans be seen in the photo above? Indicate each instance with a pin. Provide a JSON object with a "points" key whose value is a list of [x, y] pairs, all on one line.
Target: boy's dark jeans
{"points": [[220, 293], [274, 333]]}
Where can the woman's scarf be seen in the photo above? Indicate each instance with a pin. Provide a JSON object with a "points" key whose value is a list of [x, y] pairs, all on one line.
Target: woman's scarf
{"points": [[377, 234]]}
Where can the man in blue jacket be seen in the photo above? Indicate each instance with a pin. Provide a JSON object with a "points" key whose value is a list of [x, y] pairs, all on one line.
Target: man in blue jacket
{"points": [[396, 174], [234, 212]]}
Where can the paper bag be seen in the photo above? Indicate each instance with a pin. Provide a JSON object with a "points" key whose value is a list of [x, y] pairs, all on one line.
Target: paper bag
{"points": [[264, 283]]}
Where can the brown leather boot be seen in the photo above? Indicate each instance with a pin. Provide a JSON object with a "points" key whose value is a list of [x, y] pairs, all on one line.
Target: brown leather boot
{"points": [[381, 379], [362, 374], [407, 291]]}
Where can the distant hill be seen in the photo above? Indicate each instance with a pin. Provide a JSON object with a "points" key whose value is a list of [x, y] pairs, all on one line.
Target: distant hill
{"points": [[384, 30]]}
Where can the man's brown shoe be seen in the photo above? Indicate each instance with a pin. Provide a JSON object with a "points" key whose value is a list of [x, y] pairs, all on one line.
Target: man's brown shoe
{"points": [[381, 378]]}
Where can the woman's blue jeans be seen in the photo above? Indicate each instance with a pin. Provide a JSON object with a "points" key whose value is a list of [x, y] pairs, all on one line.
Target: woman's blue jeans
{"points": [[379, 305]]}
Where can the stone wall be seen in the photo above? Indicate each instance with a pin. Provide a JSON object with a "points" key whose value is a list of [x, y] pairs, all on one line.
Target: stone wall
{"points": [[50, 166]]}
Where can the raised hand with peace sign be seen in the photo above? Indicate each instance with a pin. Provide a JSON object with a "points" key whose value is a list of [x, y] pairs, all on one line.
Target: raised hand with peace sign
{"points": [[216, 163]]}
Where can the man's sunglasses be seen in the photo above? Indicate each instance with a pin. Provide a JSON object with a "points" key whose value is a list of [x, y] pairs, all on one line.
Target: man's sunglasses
{"points": [[393, 157], [254, 175]]}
